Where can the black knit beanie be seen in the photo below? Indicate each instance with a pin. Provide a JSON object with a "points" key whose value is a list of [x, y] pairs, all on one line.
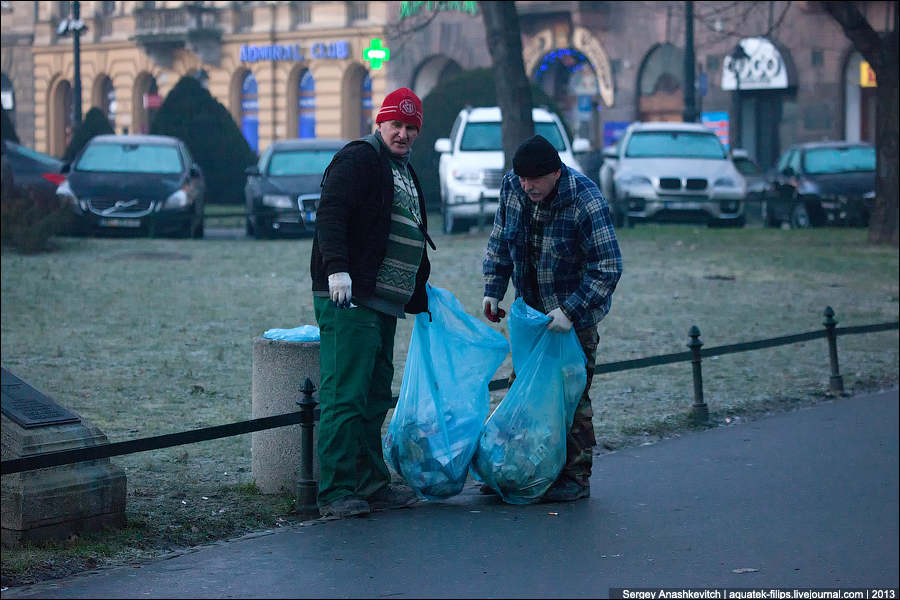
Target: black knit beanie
{"points": [[536, 157]]}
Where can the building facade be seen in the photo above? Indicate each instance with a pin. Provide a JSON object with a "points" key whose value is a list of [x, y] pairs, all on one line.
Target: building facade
{"points": [[319, 69]]}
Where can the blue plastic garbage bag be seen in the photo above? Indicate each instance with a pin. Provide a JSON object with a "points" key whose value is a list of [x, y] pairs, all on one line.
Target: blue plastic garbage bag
{"points": [[444, 397], [523, 446], [304, 333]]}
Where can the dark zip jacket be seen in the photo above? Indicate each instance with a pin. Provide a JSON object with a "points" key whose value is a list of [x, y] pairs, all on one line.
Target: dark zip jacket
{"points": [[354, 219]]}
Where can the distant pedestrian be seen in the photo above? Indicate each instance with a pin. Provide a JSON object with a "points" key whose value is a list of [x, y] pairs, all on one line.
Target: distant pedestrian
{"points": [[553, 237], [369, 266]]}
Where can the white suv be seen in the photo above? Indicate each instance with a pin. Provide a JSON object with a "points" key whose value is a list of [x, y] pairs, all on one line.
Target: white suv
{"points": [[471, 166]]}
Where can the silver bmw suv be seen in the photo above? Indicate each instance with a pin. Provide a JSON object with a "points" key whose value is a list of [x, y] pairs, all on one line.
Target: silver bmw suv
{"points": [[673, 172]]}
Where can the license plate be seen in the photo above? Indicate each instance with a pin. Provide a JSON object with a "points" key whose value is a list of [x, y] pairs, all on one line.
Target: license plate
{"points": [[683, 205], [120, 222]]}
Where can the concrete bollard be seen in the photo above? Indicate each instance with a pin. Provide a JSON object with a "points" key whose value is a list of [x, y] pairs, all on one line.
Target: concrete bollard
{"points": [[279, 370]]}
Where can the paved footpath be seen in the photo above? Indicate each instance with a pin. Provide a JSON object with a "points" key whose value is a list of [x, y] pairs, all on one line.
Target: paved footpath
{"points": [[807, 499]]}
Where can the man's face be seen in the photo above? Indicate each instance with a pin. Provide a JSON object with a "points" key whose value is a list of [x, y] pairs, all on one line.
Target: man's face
{"points": [[398, 136], [538, 188]]}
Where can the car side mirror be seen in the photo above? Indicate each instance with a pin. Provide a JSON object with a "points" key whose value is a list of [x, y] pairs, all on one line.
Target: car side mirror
{"points": [[252, 170], [580, 146], [789, 171], [610, 152], [442, 145], [65, 167], [194, 171]]}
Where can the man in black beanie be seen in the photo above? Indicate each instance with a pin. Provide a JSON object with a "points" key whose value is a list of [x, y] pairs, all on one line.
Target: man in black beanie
{"points": [[554, 238]]}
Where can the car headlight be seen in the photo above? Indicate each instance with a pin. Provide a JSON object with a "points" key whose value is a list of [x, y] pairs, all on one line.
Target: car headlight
{"points": [[473, 176], [636, 180], [179, 199], [277, 201], [725, 182], [64, 191]]}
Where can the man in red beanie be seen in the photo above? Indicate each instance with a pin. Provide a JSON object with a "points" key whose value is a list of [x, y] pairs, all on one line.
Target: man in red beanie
{"points": [[369, 266]]}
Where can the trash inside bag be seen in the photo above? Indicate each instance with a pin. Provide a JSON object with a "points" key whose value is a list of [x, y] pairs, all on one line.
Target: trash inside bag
{"points": [[444, 398], [523, 446], [304, 333]]}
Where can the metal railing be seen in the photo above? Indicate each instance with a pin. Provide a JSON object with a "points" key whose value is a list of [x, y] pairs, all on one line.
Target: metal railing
{"points": [[306, 416]]}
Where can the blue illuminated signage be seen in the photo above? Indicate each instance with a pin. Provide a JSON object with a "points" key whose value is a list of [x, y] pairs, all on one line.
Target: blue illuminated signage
{"points": [[293, 52]]}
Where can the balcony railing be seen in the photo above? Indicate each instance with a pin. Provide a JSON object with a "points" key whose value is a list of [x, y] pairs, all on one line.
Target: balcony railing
{"points": [[163, 25]]}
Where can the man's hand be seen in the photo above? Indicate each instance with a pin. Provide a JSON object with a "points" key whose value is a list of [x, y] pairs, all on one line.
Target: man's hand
{"points": [[339, 286], [491, 310], [560, 322]]}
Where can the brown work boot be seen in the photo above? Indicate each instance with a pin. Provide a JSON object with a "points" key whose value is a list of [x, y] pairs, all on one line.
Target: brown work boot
{"points": [[348, 506], [393, 496], [566, 490]]}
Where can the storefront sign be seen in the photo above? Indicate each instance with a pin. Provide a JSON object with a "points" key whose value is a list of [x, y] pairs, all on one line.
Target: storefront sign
{"points": [[866, 75], [764, 70], [376, 54], [321, 50], [410, 9]]}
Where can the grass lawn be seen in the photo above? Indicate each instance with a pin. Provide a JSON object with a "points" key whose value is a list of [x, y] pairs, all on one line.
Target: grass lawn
{"points": [[145, 337]]}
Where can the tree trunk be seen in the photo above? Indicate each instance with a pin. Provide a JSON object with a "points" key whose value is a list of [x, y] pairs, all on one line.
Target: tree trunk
{"points": [[501, 27], [880, 50]]}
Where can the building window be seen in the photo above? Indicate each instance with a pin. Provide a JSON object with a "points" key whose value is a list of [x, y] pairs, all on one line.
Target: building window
{"points": [[250, 111], [357, 11], [712, 64], [817, 58], [366, 112], [301, 13], [306, 106], [107, 8], [243, 16]]}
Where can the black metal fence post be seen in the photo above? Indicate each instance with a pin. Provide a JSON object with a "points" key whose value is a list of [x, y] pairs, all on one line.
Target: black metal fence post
{"points": [[700, 411], [836, 382], [307, 487]]}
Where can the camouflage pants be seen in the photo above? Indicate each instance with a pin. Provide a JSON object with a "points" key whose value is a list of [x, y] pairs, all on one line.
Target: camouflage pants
{"points": [[581, 440]]}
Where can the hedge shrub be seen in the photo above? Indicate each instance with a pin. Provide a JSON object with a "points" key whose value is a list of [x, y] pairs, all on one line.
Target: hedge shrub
{"points": [[191, 114], [95, 123]]}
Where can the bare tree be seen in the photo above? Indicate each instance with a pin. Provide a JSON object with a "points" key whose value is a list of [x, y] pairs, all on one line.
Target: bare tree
{"points": [[504, 40], [880, 50]]}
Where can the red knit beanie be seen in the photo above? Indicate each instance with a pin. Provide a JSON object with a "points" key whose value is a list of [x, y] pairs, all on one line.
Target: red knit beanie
{"points": [[401, 105]]}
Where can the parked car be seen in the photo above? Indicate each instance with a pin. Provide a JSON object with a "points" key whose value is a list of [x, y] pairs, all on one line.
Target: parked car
{"points": [[821, 183], [664, 171], [283, 190], [140, 184], [28, 171], [756, 183], [471, 163]]}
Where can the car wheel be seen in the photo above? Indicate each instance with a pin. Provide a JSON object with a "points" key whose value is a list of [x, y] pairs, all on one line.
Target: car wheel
{"points": [[799, 216], [767, 218]]}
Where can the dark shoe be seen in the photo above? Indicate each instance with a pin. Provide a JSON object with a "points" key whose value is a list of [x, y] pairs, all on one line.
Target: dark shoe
{"points": [[566, 491], [393, 496], [348, 506], [487, 490]]}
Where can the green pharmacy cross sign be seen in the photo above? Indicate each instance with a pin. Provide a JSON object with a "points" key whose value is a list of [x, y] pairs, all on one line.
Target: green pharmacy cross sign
{"points": [[376, 54]]}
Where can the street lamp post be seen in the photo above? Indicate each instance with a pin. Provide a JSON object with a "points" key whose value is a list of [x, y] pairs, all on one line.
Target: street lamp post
{"points": [[739, 58], [76, 51], [689, 115]]}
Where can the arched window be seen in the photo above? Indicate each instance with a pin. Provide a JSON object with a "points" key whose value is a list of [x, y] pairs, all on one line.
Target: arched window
{"points": [[306, 106], [108, 101], [250, 111], [366, 112]]}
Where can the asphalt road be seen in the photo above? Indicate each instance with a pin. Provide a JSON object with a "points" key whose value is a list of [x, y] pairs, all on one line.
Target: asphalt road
{"points": [[807, 499]]}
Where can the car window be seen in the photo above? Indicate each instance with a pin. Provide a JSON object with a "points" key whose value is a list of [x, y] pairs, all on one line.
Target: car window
{"points": [[794, 162], [130, 158], [746, 166], [488, 136], [674, 144], [784, 161], [300, 162], [848, 159]]}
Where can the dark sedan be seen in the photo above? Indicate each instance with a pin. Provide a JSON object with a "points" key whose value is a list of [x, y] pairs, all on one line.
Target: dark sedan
{"points": [[31, 173], [282, 191], [141, 184], [821, 183]]}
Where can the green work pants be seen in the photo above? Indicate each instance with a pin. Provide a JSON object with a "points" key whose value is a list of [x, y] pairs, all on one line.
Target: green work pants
{"points": [[356, 357]]}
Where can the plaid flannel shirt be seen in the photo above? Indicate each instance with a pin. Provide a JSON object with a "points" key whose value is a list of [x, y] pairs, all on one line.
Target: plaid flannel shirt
{"points": [[580, 263]]}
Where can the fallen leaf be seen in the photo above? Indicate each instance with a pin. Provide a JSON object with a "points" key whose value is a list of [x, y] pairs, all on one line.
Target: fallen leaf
{"points": [[745, 570]]}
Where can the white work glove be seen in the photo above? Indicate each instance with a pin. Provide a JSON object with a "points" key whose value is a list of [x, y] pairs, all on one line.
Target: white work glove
{"points": [[491, 309], [339, 286], [560, 322]]}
